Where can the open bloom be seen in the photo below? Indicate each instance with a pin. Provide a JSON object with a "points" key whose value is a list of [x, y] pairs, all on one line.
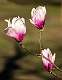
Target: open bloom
{"points": [[16, 29], [38, 17], [48, 59]]}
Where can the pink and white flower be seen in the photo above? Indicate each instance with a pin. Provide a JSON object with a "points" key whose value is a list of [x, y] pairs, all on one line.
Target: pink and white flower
{"points": [[38, 17], [48, 59], [16, 29]]}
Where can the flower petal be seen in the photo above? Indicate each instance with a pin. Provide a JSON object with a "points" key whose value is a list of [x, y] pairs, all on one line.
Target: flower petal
{"points": [[53, 57], [17, 29], [48, 59], [23, 20], [33, 12], [9, 23], [31, 21], [38, 17]]}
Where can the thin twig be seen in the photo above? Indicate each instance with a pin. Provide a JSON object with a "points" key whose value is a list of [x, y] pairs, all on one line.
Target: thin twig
{"points": [[41, 45], [53, 73]]}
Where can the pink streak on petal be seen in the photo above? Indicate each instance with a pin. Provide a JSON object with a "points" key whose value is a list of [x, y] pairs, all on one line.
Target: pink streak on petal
{"points": [[40, 24], [20, 36], [12, 33]]}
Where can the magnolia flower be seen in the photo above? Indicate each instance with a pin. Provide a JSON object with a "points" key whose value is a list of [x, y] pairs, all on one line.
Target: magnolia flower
{"points": [[16, 29], [38, 17], [48, 59]]}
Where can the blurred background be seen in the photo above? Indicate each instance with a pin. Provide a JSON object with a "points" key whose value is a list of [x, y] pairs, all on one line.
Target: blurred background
{"points": [[24, 65]]}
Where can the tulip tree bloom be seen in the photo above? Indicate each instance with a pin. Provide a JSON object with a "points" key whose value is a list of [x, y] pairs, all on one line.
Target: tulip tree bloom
{"points": [[16, 29], [48, 59], [38, 17]]}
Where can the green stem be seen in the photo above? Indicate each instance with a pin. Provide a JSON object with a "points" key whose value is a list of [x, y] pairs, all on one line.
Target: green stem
{"points": [[41, 40]]}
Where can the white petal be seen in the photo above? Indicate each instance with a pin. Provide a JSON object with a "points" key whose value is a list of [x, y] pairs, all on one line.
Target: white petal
{"points": [[9, 23], [33, 12], [44, 53], [49, 51], [49, 54], [14, 21], [6, 20], [23, 20], [44, 10], [45, 61], [19, 25], [31, 21], [53, 57], [39, 13], [39, 7], [18, 17]]}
